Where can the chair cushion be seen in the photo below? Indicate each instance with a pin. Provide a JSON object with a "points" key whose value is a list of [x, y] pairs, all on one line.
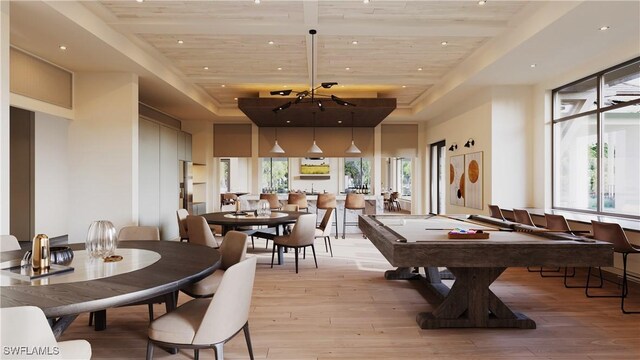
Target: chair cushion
{"points": [[319, 233], [180, 325], [206, 286]]}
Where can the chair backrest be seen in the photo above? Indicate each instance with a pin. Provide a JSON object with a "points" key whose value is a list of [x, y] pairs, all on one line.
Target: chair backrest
{"points": [[182, 223], [354, 201], [228, 311], [27, 327], [326, 201], [522, 216], [556, 222], [200, 232], [299, 199], [139, 233], [496, 212], [274, 203], [229, 198], [305, 230], [613, 233], [327, 221], [290, 207], [9, 243], [233, 248]]}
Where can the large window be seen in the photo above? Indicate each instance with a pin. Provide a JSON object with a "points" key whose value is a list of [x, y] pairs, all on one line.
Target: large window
{"points": [[596, 143], [357, 172], [225, 176], [275, 175], [404, 174]]}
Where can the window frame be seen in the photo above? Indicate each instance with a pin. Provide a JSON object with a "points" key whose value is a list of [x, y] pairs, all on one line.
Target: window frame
{"points": [[270, 166], [599, 112]]}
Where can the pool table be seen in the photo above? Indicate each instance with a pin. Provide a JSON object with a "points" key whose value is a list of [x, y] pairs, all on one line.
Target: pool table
{"points": [[413, 241]]}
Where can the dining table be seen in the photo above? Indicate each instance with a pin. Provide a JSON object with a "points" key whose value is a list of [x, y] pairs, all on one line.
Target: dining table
{"points": [[147, 270], [232, 220]]}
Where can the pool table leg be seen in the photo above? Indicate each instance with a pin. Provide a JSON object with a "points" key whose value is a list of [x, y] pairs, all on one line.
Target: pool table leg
{"points": [[470, 303]]}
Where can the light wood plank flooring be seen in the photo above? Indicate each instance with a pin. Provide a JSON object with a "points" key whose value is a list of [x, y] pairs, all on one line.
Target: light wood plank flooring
{"points": [[346, 310]]}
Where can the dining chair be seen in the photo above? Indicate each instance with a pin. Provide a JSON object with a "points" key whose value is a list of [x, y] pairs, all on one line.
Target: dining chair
{"points": [[522, 216], [352, 202], [394, 203], [199, 232], [559, 223], [290, 207], [299, 199], [614, 234], [328, 201], [324, 230], [129, 233], [233, 250], [182, 214], [495, 212], [301, 236], [229, 199], [274, 203], [26, 327], [209, 322], [9, 243]]}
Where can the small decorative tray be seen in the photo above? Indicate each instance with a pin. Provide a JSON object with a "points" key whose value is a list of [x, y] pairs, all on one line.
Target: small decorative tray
{"points": [[26, 272], [467, 234]]}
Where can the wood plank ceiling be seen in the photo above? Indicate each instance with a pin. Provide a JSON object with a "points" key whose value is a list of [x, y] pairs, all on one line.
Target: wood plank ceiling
{"points": [[383, 49]]}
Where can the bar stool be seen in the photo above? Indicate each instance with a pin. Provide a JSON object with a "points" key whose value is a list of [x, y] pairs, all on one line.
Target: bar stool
{"points": [[353, 202], [495, 212], [614, 234], [274, 203], [299, 199], [325, 202], [522, 216], [560, 224]]}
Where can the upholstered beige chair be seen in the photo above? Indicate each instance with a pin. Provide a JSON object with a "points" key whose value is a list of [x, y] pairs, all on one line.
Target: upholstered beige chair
{"points": [[324, 230], [139, 233], [200, 232], [302, 235], [26, 327], [129, 233], [613, 233], [299, 199], [9, 243], [182, 214], [233, 250], [209, 322], [352, 202], [274, 203], [496, 212]]}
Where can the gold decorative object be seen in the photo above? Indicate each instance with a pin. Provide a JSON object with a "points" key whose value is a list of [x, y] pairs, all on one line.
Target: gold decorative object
{"points": [[40, 253]]}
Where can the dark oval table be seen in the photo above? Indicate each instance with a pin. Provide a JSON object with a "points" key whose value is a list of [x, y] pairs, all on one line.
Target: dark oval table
{"points": [[179, 264]]}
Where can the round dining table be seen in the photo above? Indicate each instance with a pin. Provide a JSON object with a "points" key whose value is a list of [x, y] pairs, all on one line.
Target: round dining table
{"points": [[149, 269]]}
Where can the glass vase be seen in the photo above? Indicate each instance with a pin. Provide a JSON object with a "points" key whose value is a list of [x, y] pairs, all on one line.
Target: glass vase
{"points": [[102, 239]]}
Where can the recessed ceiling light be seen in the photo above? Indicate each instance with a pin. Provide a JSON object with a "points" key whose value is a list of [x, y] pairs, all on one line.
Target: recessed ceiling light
{"points": [[62, 47], [284, 86], [270, 42], [482, 2], [236, 99], [603, 28], [180, 42], [404, 86], [256, 1], [354, 42], [139, 0], [339, 121], [223, 85], [288, 121], [444, 43], [365, 1], [419, 69], [279, 68], [532, 65], [347, 68], [206, 68], [341, 86]]}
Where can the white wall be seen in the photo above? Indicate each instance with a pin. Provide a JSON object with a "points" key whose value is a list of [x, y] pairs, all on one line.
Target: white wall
{"points": [[103, 149], [51, 175], [4, 117]]}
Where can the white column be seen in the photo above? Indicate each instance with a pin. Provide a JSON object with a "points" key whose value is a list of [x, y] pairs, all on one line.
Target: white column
{"points": [[4, 117], [376, 181], [103, 152]]}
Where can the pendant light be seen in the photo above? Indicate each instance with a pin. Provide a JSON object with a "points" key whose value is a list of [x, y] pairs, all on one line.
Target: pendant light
{"points": [[314, 149], [276, 149], [353, 149]]}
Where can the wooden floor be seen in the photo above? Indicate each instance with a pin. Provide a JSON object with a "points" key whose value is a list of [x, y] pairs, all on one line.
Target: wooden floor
{"points": [[346, 310]]}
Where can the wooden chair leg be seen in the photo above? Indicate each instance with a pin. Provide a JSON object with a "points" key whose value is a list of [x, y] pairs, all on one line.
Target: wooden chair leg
{"points": [[248, 338]]}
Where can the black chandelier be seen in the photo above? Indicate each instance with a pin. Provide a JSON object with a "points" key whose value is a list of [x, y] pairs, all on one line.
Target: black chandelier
{"points": [[310, 96]]}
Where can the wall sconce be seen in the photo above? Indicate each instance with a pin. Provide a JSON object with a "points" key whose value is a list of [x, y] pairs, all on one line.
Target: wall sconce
{"points": [[470, 143], [453, 147]]}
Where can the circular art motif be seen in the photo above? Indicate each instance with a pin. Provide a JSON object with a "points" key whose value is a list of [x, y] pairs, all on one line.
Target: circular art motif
{"points": [[452, 173], [474, 171], [461, 190]]}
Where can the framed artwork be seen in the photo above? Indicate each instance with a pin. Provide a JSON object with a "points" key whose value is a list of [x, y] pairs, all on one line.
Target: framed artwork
{"points": [[473, 180], [315, 166], [456, 180]]}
